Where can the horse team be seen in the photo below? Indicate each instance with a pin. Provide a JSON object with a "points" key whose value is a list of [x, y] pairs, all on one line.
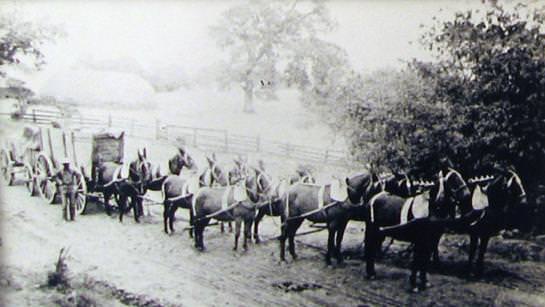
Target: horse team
{"points": [[391, 206]]}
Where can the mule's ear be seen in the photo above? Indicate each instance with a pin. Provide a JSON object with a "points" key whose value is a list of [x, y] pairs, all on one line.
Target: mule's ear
{"points": [[145, 152], [347, 180]]}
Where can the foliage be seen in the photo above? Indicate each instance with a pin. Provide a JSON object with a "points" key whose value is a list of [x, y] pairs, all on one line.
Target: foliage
{"points": [[270, 43], [492, 71], [397, 125], [481, 100], [20, 39]]}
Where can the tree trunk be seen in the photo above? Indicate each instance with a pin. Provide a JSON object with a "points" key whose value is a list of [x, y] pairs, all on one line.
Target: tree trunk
{"points": [[248, 98]]}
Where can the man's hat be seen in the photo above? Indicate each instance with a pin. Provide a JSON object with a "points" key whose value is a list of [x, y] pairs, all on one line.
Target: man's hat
{"points": [[65, 161]]}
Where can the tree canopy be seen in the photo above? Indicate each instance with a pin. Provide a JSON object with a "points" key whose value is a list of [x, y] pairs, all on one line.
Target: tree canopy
{"points": [[270, 43], [481, 100], [20, 39]]}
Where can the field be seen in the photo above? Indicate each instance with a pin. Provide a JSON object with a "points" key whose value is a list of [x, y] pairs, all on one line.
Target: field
{"points": [[137, 264]]}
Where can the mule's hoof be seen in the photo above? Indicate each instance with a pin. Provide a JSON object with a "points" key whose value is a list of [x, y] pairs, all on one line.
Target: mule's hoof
{"points": [[372, 277], [414, 290]]}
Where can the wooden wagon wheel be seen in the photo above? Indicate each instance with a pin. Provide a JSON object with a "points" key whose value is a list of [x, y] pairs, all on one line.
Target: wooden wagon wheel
{"points": [[7, 169], [30, 182], [81, 195], [46, 187]]}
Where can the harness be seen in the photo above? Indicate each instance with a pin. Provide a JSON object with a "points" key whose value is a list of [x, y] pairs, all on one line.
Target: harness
{"points": [[224, 202], [114, 177], [372, 203], [321, 206], [450, 173], [516, 179]]}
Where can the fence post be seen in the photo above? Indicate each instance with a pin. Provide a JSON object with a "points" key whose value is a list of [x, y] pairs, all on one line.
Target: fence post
{"points": [[34, 115], [326, 155], [194, 137], [258, 143], [109, 120], [157, 129], [226, 134]]}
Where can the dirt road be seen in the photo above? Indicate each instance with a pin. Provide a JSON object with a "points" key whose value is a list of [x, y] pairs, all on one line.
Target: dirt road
{"points": [[140, 259], [137, 264]]}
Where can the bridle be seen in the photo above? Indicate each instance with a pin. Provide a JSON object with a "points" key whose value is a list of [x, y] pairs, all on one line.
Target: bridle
{"points": [[515, 179]]}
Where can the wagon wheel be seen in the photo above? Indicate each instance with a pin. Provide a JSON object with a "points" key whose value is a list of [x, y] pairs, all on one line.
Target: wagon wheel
{"points": [[30, 182], [7, 170], [81, 195], [47, 188]]}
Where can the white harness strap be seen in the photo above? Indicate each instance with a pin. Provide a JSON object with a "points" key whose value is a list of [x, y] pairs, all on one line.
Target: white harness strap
{"points": [[405, 210], [516, 178], [225, 198], [163, 188], [185, 188], [117, 171], [194, 201], [450, 172], [321, 197], [372, 204]]}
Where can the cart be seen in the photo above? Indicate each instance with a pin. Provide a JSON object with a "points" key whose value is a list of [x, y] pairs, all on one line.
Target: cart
{"points": [[58, 144], [107, 146], [19, 156]]}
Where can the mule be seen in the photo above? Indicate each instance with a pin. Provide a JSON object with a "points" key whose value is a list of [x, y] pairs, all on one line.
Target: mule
{"points": [[129, 197], [457, 194], [317, 204], [270, 199], [303, 175], [228, 203], [398, 184], [105, 175], [214, 176], [504, 205], [180, 160], [418, 220], [141, 175], [176, 190]]}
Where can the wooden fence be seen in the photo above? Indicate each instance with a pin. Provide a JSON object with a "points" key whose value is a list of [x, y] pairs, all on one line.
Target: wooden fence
{"points": [[218, 140]]}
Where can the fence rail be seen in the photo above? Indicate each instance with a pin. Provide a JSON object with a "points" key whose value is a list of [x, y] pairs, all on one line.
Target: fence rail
{"points": [[204, 138]]}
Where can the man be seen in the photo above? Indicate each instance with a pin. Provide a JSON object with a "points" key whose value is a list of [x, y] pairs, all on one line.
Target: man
{"points": [[66, 180]]}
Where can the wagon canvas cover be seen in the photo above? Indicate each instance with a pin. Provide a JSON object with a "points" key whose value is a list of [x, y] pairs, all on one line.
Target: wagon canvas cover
{"points": [[108, 146]]}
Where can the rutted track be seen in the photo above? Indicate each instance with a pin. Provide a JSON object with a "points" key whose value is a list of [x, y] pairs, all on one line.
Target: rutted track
{"points": [[141, 259]]}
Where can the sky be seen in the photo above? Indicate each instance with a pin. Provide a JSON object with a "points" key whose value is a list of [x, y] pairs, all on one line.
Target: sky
{"points": [[375, 34]]}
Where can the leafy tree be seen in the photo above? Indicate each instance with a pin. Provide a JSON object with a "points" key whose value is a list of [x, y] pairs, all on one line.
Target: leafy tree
{"points": [[268, 43], [20, 39], [491, 70], [397, 124], [481, 100]]}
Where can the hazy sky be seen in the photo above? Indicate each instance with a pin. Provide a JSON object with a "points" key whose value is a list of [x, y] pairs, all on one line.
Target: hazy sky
{"points": [[374, 33]]}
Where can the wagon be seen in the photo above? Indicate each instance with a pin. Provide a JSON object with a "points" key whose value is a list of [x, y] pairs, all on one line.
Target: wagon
{"points": [[19, 156], [106, 147], [58, 144]]}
